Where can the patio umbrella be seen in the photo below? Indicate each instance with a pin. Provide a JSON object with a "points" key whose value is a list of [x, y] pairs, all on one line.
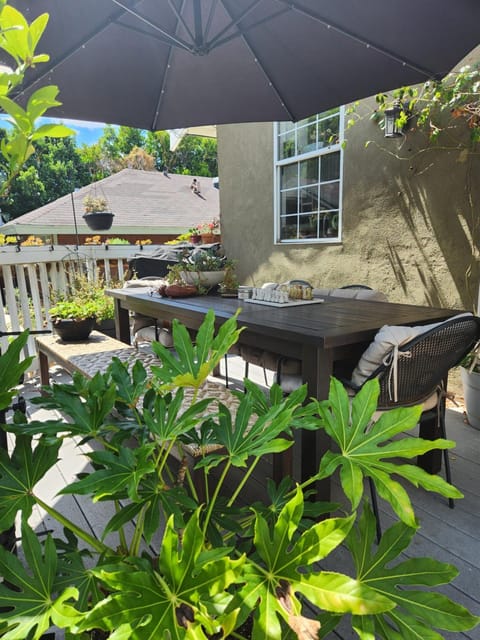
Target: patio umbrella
{"points": [[162, 64]]}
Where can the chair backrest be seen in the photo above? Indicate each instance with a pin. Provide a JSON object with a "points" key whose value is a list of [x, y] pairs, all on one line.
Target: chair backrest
{"points": [[419, 366]]}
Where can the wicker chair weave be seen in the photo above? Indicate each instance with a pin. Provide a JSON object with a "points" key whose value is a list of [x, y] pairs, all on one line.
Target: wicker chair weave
{"points": [[419, 367]]}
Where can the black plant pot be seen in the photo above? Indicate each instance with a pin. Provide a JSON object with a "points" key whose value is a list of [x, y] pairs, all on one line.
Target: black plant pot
{"points": [[99, 220], [70, 330], [106, 326]]}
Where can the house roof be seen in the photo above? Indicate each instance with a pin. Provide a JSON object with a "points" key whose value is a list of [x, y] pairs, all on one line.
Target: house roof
{"points": [[143, 202]]}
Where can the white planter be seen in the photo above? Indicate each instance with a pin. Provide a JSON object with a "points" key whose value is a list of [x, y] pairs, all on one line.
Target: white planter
{"points": [[203, 278], [471, 392]]}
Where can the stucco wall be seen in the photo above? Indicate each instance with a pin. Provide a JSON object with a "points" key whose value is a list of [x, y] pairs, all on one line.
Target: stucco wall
{"points": [[410, 227]]}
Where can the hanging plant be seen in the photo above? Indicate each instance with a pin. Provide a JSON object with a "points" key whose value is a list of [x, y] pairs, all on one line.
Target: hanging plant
{"points": [[97, 216]]}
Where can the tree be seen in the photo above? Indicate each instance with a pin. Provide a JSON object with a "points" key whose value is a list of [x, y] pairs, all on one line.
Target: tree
{"points": [[139, 159], [195, 155], [52, 171]]}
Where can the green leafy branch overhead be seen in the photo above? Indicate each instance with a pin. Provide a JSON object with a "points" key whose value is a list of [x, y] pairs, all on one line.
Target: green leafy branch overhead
{"points": [[437, 105], [19, 40]]}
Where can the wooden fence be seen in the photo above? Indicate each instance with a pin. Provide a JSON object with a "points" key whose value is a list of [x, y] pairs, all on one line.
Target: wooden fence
{"points": [[28, 275]]}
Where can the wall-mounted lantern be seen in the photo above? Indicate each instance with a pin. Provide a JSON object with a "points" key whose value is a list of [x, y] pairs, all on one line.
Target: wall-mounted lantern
{"points": [[392, 128]]}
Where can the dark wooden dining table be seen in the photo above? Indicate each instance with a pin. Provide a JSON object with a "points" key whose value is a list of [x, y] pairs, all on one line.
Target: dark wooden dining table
{"points": [[325, 337]]}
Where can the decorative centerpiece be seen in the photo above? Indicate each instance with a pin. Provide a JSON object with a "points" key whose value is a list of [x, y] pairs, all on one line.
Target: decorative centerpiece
{"points": [[97, 216], [203, 268]]}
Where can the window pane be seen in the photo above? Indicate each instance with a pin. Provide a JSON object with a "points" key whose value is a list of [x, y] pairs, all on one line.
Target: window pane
{"points": [[283, 127], [328, 131], [308, 226], [329, 196], [289, 176], [286, 145], [309, 171], [289, 202], [308, 199], [330, 166], [307, 138], [289, 228]]}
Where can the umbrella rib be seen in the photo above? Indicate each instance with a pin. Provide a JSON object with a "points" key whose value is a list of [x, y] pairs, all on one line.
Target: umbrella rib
{"points": [[217, 41], [294, 6], [173, 40], [210, 18], [263, 70], [56, 63], [179, 16]]}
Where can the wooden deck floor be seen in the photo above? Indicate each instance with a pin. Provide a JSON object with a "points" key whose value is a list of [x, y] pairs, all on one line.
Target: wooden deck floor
{"points": [[450, 535]]}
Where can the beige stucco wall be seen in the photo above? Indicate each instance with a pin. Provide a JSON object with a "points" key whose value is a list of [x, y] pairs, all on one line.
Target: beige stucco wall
{"points": [[410, 227]]}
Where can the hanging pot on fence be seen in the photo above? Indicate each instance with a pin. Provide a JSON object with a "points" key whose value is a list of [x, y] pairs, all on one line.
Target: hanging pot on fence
{"points": [[99, 220]]}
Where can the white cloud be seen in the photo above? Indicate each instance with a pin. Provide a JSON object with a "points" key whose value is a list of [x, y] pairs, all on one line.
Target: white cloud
{"points": [[85, 124]]}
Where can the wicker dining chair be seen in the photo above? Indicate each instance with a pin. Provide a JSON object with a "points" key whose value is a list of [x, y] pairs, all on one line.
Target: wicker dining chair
{"points": [[416, 373]]}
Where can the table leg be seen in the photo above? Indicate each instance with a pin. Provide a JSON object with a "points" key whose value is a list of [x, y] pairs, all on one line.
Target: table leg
{"points": [[122, 322], [317, 367], [44, 369]]}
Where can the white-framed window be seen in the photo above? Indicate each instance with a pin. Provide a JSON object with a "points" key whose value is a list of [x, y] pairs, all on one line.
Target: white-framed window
{"points": [[308, 158]]}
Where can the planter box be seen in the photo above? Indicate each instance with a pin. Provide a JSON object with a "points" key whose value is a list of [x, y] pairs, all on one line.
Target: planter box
{"points": [[471, 392]]}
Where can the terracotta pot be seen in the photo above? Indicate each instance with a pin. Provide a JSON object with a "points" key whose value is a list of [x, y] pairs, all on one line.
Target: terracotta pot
{"points": [[208, 238]]}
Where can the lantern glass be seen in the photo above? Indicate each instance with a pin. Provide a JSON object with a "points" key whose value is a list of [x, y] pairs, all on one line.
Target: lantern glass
{"points": [[391, 129]]}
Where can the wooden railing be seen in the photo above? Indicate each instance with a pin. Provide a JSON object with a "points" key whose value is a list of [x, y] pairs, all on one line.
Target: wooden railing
{"points": [[28, 275]]}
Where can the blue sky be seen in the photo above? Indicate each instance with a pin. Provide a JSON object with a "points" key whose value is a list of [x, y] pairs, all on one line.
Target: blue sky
{"points": [[87, 132]]}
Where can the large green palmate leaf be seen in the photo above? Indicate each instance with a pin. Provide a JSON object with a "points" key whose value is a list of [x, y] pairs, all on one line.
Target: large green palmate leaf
{"points": [[365, 448], [273, 579], [196, 360], [172, 602], [87, 402], [419, 611], [121, 473], [12, 369], [248, 434], [30, 607], [20, 473]]}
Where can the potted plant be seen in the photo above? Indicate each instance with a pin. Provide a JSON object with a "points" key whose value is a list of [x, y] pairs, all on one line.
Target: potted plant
{"points": [[202, 268], [171, 562], [97, 216], [73, 319], [194, 235], [209, 231], [228, 287], [84, 307], [470, 376]]}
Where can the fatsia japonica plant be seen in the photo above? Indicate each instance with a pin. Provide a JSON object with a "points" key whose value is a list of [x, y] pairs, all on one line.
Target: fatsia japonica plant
{"points": [[180, 554]]}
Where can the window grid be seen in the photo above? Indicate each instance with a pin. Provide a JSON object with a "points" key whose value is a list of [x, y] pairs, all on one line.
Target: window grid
{"points": [[308, 179]]}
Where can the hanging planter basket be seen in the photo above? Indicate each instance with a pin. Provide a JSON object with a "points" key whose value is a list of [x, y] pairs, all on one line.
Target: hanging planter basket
{"points": [[99, 220]]}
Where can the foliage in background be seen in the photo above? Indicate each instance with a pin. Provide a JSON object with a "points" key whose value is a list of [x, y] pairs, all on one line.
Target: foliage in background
{"points": [[435, 107], [84, 298], [58, 166]]}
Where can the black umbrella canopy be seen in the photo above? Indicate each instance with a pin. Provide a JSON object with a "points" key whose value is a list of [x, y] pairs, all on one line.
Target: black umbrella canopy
{"points": [[162, 64]]}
